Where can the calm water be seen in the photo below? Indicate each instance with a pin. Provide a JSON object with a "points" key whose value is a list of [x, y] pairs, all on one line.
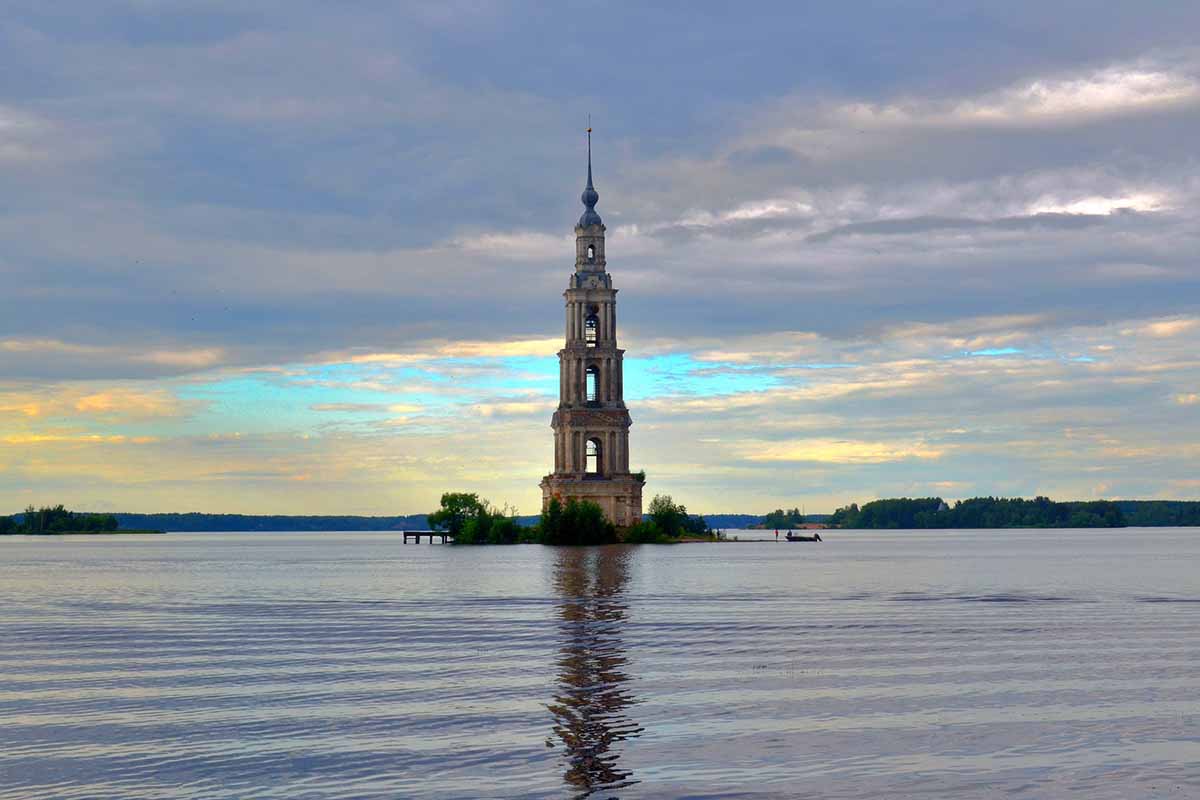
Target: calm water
{"points": [[933, 665]]}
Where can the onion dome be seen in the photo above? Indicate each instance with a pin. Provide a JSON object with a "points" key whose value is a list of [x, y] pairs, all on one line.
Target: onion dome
{"points": [[590, 196]]}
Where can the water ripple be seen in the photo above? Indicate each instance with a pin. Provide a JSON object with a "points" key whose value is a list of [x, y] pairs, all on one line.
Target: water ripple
{"points": [[326, 667]]}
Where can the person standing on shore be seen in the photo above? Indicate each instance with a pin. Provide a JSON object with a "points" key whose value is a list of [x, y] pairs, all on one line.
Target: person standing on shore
{"points": [[777, 534]]}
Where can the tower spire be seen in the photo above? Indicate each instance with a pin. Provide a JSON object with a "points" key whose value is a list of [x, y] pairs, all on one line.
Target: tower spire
{"points": [[589, 132], [590, 196]]}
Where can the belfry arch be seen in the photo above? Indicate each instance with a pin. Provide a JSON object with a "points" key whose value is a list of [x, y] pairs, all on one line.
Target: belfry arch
{"points": [[591, 424], [591, 389], [595, 457]]}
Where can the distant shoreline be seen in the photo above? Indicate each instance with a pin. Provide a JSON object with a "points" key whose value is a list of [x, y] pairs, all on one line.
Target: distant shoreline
{"points": [[117, 532], [1132, 513]]}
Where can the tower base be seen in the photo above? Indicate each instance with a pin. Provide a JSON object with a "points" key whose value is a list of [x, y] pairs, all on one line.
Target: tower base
{"points": [[619, 496]]}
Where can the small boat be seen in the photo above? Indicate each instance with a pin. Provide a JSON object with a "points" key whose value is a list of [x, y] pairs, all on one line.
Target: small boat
{"points": [[795, 537]]}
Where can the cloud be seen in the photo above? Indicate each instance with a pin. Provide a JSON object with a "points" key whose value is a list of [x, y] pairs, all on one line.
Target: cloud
{"points": [[518, 246], [405, 408], [750, 212], [431, 350], [47, 346], [515, 408], [194, 359], [1100, 206], [21, 138], [835, 129], [35, 357], [128, 403], [843, 452], [112, 404], [1169, 328], [73, 438], [1113, 90], [915, 225], [20, 405], [369, 408], [501, 349]]}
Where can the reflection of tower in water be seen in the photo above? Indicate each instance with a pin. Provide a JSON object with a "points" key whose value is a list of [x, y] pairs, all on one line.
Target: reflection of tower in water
{"points": [[591, 697]]}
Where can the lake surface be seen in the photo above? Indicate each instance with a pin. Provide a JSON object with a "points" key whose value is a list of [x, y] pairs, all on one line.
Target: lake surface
{"points": [[1034, 664]]}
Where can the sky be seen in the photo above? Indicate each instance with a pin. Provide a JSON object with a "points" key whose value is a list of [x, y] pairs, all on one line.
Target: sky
{"points": [[308, 257]]}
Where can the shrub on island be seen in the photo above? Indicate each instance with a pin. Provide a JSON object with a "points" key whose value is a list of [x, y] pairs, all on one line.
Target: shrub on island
{"points": [[577, 522], [646, 532]]}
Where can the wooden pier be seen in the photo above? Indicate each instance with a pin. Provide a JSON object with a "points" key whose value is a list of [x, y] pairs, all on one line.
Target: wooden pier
{"points": [[416, 536]]}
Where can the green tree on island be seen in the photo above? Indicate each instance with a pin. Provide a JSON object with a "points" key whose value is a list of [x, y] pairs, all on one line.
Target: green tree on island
{"points": [[668, 516], [665, 522], [57, 519], [474, 521], [783, 519], [457, 508]]}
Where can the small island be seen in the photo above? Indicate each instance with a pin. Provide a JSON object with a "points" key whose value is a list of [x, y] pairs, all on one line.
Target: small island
{"points": [[58, 521], [471, 520]]}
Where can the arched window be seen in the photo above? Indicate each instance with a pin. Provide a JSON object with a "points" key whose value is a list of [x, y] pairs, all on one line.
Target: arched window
{"points": [[590, 326], [593, 384], [591, 252], [593, 457]]}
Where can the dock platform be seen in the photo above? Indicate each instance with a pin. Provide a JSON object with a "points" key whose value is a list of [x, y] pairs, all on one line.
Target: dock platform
{"points": [[416, 536]]}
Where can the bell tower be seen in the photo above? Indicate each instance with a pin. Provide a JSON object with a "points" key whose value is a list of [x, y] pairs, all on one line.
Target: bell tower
{"points": [[591, 425]]}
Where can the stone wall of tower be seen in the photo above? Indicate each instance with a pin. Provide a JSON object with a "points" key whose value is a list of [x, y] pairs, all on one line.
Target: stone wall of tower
{"points": [[593, 259], [590, 353]]}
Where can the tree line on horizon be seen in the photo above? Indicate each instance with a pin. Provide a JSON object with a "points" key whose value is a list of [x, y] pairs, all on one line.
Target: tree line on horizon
{"points": [[979, 512], [1134, 513]]}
